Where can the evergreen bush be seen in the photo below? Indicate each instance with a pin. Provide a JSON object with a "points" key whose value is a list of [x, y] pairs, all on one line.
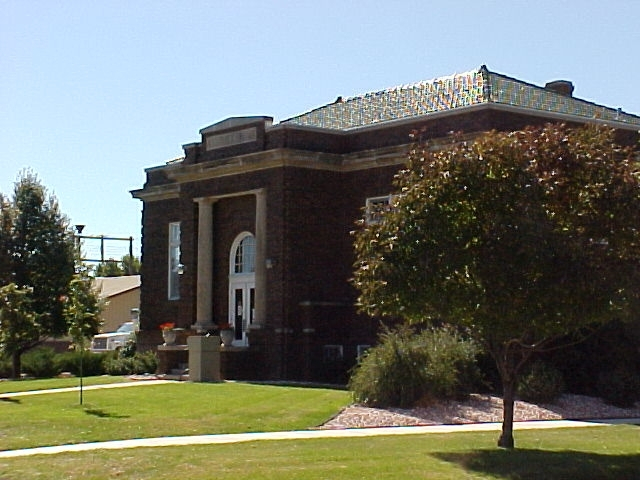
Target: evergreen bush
{"points": [[140, 363], [452, 371], [620, 387], [406, 367], [5, 367], [612, 346], [39, 363], [92, 363], [541, 384]]}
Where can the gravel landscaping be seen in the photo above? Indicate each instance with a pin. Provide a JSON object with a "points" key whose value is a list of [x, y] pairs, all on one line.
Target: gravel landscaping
{"points": [[479, 408]]}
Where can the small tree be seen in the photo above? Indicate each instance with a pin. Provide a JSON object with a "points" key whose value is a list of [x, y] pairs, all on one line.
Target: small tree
{"points": [[82, 310], [520, 237], [18, 324]]}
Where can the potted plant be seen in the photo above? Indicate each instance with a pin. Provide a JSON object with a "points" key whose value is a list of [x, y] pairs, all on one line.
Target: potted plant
{"points": [[168, 333], [227, 334]]}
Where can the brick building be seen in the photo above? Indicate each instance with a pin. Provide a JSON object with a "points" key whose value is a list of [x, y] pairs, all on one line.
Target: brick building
{"points": [[252, 226]]}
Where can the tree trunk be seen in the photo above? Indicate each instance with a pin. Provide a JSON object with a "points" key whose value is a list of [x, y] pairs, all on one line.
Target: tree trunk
{"points": [[508, 394], [16, 359]]}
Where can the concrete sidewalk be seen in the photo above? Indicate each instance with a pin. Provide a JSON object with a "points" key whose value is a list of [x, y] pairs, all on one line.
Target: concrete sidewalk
{"points": [[293, 435], [86, 387]]}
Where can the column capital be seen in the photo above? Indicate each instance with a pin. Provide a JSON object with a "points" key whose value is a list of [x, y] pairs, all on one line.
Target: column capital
{"points": [[205, 200]]}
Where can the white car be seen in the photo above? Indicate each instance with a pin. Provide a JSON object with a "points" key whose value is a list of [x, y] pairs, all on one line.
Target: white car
{"points": [[105, 342]]}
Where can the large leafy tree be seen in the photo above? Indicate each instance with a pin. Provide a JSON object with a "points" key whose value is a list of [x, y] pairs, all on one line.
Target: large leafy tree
{"points": [[523, 238], [37, 256]]}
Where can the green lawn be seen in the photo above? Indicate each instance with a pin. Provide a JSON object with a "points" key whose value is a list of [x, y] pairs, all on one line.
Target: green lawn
{"points": [[586, 453], [601, 452], [179, 408]]}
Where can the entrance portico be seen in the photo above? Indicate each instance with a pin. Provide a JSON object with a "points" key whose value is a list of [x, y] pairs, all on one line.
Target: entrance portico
{"points": [[205, 264]]}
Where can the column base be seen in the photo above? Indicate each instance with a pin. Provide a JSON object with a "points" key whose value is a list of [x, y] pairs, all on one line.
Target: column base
{"points": [[203, 327]]}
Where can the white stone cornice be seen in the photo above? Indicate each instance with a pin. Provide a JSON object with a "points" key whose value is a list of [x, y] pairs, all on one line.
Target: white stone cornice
{"points": [[156, 193], [279, 158], [214, 198]]}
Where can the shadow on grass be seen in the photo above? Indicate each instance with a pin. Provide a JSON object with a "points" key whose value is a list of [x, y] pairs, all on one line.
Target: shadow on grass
{"points": [[10, 399], [97, 412], [523, 464]]}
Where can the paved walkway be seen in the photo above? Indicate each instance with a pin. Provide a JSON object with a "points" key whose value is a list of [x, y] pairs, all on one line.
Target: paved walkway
{"points": [[86, 387], [258, 436], [294, 435]]}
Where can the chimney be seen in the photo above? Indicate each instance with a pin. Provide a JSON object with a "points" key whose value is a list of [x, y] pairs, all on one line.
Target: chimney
{"points": [[563, 87]]}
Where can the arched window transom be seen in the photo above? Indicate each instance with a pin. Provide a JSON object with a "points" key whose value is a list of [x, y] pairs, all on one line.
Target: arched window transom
{"points": [[245, 255]]}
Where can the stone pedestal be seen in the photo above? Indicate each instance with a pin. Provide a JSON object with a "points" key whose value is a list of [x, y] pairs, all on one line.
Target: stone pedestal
{"points": [[204, 358], [171, 357]]}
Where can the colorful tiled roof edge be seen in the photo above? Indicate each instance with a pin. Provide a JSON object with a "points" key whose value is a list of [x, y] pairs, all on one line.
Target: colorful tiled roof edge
{"points": [[510, 91], [450, 93]]}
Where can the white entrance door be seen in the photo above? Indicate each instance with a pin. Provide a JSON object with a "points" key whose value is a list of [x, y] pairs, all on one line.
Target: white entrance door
{"points": [[242, 286], [242, 309]]}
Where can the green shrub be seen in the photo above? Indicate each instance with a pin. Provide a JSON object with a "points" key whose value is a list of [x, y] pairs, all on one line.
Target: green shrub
{"points": [[391, 373], [129, 348], [39, 363], [406, 367], [612, 346], [138, 364], [6, 367], [92, 363], [541, 384], [452, 371], [147, 362], [621, 387]]}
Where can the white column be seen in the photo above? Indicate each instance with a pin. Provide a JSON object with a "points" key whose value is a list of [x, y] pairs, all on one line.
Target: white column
{"points": [[204, 283], [261, 257]]}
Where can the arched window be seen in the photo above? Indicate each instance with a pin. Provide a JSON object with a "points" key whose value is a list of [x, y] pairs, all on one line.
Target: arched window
{"points": [[244, 259]]}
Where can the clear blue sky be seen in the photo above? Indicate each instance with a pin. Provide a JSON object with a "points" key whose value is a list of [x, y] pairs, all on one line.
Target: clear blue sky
{"points": [[92, 93]]}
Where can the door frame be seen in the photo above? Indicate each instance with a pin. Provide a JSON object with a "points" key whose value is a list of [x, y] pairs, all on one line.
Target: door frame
{"points": [[245, 281]]}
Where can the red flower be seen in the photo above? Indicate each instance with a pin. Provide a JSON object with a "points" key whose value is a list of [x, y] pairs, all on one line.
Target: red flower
{"points": [[167, 326]]}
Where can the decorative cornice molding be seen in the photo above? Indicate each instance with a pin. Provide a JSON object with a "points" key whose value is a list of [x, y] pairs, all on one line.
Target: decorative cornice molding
{"points": [[282, 157], [157, 193]]}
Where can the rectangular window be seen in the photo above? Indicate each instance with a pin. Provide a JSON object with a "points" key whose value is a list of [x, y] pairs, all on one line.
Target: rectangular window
{"points": [[332, 353], [376, 206], [174, 261], [361, 350]]}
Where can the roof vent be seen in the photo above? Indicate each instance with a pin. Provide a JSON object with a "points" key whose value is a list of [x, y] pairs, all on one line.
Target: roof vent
{"points": [[563, 87]]}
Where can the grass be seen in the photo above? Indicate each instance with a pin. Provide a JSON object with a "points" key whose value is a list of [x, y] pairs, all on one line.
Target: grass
{"points": [[603, 452], [160, 410]]}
